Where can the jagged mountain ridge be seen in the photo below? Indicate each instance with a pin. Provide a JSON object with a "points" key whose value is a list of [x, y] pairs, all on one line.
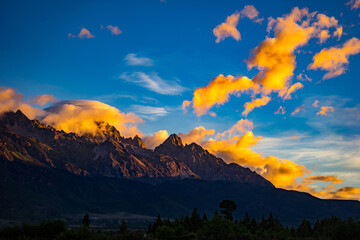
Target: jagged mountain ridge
{"points": [[112, 155], [206, 165], [81, 155]]}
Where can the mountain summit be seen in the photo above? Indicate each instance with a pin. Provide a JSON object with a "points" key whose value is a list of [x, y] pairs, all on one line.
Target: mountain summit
{"points": [[206, 165]]}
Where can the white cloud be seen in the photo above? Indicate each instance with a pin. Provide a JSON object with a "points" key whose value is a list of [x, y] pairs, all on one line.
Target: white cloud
{"points": [[133, 60], [154, 83], [149, 112], [135, 98]]}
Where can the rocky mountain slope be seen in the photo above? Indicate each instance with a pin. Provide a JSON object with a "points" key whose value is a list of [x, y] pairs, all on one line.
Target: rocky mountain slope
{"points": [[112, 155], [206, 165]]}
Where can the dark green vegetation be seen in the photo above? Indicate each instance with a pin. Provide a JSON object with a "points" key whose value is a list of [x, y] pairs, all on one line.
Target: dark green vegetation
{"points": [[196, 227]]}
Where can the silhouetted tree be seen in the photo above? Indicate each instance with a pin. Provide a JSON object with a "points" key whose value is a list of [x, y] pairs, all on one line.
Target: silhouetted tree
{"points": [[253, 225], [204, 219], [195, 220], [149, 229], [263, 223], [304, 229], [246, 221], [270, 221], [167, 222], [157, 223], [123, 227], [165, 233], [50, 229], [86, 221], [228, 207], [187, 222]]}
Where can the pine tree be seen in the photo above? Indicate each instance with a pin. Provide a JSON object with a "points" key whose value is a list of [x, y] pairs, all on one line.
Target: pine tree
{"points": [[195, 220], [157, 223], [123, 227], [246, 221], [204, 219], [86, 221], [304, 229], [228, 207]]}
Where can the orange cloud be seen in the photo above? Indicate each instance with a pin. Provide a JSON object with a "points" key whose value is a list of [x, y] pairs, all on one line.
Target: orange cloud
{"points": [[332, 179], [90, 117], [114, 29], [156, 139], [10, 100], [185, 105], [250, 12], [324, 21], [213, 114], [196, 135], [324, 35], [354, 4], [280, 172], [298, 109], [234, 145], [275, 56], [85, 33], [347, 193], [242, 126], [325, 109], [335, 59], [315, 104], [42, 100], [78, 116], [303, 77], [281, 110], [292, 89], [258, 102], [228, 28], [217, 92], [339, 31]]}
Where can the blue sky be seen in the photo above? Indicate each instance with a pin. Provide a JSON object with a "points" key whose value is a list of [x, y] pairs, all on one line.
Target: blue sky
{"points": [[174, 44]]}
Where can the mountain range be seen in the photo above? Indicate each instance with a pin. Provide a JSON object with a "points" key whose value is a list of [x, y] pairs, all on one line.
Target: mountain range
{"points": [[46, 173]]}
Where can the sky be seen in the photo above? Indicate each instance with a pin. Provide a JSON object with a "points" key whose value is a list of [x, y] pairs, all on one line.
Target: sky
{"points": [[271, 85]]}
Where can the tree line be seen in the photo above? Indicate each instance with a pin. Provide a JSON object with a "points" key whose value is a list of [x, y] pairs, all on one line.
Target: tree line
{"points": [[222, 226]]}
